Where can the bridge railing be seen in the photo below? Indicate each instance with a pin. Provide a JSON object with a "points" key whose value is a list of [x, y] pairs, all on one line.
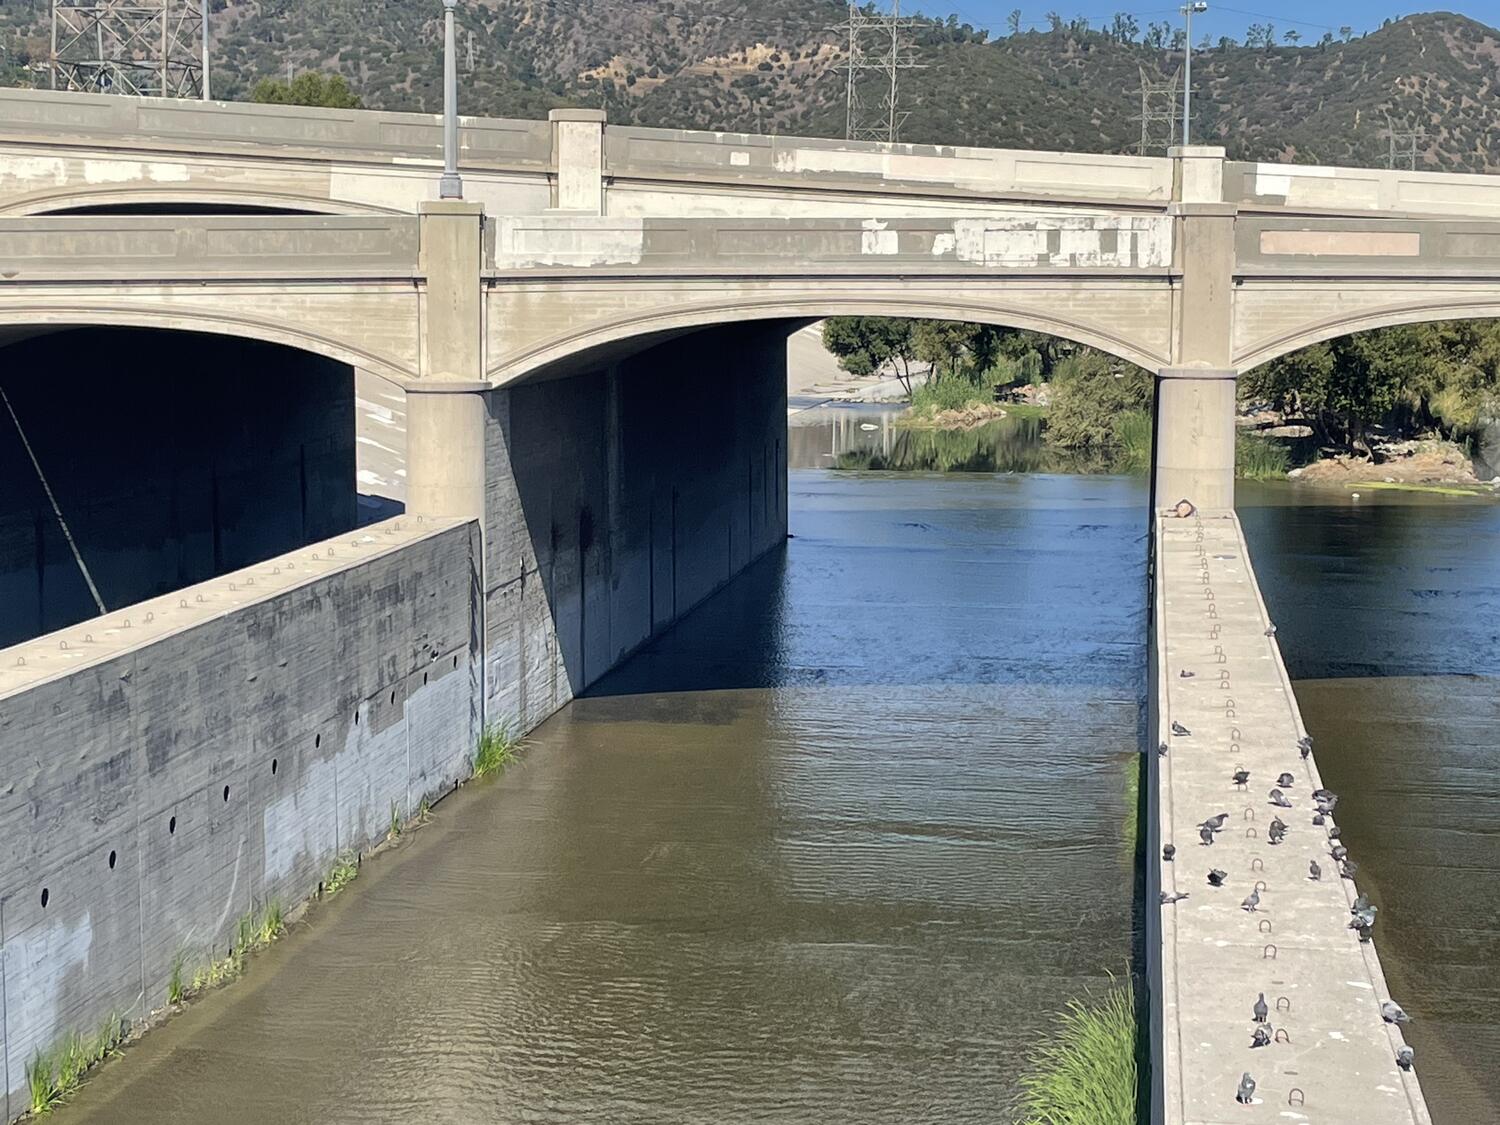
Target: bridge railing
{"points": [[354, 135], [681, 154], [1314, 188], [75, 248]]}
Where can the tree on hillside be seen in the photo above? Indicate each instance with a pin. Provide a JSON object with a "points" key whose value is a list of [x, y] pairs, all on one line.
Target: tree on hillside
{"points": [[309, 88]]}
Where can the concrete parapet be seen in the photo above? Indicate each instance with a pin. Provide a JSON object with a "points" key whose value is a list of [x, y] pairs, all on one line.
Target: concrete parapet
{"points": [[189, 759], [1221, 701]]}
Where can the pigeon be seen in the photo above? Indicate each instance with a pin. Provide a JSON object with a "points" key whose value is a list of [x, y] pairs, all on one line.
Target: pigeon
{"points": [[1276, 832], [1252, 900], [1260, 1011], [1363, 919], [1304, 744], [1216, 821], [1348, 868], [1216, 877], [1363, 930], [1168, 852], [1361, 904], [1314, 872], [1168, 900], [1261, 1038], [1161, 750], [1241, 778], [1186, 675], [1246, 1093], [1335, 832], [1279, 799], [1326, 807], [1405, 1056], [1270, 630], [1206, 834], [1318, 819], [1339, 852], [1323, 794], [1285, 781], [1392, 1012], [1178, 729]]}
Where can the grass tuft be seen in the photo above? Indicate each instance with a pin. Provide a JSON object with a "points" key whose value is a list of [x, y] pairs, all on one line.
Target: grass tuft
{"points": [[393, 832], [1083, 1072], [498, 747], [343, 872], [176, 989], [53, 1074], [1260, 458]]}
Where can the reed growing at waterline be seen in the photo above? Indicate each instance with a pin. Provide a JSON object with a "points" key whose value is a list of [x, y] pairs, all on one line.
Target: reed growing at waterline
{"points": [[1083, 1072]]}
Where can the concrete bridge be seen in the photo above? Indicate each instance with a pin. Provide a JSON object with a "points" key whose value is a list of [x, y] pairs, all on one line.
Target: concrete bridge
{"points": [[601, 291]]}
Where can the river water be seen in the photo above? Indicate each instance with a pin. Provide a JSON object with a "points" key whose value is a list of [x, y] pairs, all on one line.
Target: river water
{"points": [[838, 846]]}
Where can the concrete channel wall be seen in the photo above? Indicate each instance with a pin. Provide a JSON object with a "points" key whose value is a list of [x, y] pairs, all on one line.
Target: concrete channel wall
{"points": [[621, 497], [177, 764], [1333, 1058]]}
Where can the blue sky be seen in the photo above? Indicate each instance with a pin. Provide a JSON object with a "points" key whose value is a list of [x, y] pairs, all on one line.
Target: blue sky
{"points": [[1311, 20]]}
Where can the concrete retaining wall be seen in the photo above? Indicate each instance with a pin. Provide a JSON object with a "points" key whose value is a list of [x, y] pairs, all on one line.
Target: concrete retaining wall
{"points": [[168, 769], [620, 498]]}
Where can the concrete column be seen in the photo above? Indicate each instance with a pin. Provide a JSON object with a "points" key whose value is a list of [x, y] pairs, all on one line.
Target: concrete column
{"points": [[1194, 437], [578, 156], [445, 443], [452, 256], [1195, 395]]}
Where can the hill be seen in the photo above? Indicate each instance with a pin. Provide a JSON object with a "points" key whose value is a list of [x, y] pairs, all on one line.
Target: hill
{"points": [[771, 65]]}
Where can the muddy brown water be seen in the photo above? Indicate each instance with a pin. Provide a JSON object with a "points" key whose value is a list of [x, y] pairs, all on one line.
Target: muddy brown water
{"points": [[838, 846]]}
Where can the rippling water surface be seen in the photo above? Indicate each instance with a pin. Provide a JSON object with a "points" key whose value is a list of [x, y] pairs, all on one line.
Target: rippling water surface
{"points": [[831, 851], [1389, 616]]}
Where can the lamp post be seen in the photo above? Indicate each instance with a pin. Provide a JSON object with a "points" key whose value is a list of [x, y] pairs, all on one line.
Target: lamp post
{"points": [[451, 186], [1188, 10]]}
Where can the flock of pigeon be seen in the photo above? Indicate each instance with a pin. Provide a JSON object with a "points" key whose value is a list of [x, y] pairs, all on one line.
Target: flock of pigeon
{"points": [[1362, 913]]}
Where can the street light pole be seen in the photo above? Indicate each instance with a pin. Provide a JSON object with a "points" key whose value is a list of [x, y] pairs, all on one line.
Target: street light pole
{"points": [[451, 186], [1187, 71]]}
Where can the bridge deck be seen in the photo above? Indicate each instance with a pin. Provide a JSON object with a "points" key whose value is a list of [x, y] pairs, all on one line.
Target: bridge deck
{"points": [[1323, 986]]}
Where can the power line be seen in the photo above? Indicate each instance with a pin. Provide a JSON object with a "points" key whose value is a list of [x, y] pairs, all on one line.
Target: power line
{"points": [[881, 44]]}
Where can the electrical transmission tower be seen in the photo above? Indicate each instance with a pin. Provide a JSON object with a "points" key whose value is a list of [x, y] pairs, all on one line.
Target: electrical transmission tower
{"points": [[1403, 144], [876, 43], [153, 47], [1158, 114]]}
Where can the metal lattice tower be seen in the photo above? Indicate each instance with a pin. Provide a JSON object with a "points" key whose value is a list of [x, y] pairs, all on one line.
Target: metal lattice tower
{"points": [[879, 43], [1158, 114], [1403, 144], [151, 47]]}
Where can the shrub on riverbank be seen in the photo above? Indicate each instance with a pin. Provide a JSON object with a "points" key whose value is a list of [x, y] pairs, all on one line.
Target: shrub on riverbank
{"points": [[497, 748], [1083, 1072], [1258, 458]]}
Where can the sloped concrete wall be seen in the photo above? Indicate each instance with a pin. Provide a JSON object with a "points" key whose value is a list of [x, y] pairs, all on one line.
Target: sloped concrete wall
{"points": [[620, 498], [151, 798]]}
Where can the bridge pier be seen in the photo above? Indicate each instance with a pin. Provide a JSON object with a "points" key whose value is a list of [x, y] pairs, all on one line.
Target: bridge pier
{"points": [[1194, 437]]}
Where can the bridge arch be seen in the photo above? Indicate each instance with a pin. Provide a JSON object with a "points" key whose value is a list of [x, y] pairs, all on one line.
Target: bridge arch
{"points": [[1482, 306], [103, 199], [35, 317], [615, 337]]}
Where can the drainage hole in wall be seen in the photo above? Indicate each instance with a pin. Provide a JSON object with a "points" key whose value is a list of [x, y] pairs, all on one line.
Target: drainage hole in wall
{"points": [[172, 827], [226, 794], [111, 861], [424, 679], [274, 764], [455, 662], [45, 896], [393, 697], [317, 741], [356, 716]]}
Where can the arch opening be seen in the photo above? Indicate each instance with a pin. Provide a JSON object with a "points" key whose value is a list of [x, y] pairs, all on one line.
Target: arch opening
{"points": [[168, 457]]}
